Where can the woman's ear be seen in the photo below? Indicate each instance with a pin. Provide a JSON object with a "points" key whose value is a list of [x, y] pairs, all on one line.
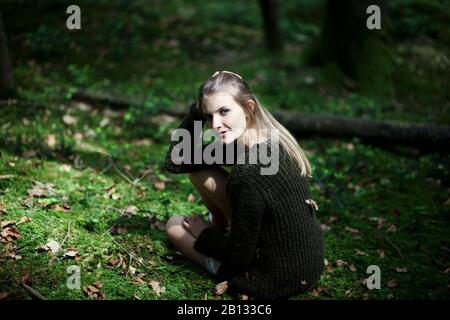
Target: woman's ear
{"points": [[251, 105]]}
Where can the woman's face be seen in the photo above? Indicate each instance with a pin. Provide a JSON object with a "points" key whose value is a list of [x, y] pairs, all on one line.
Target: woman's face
{"points": [[225, 116]]}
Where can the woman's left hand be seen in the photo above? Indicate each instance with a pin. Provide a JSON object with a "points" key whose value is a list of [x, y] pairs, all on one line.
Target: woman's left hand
{"points": [[195, 225]]}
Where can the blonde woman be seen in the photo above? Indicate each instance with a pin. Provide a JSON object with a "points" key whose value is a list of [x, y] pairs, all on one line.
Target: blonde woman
{"points": [[262, 235]]}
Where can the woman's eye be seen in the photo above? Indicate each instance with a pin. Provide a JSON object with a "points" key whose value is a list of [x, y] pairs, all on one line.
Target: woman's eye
{"points": [[224, 112]]}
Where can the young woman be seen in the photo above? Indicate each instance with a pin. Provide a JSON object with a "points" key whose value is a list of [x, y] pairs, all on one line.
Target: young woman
{"points": [[263, 236]]}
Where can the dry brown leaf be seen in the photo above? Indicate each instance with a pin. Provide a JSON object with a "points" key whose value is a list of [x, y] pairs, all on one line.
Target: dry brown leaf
{"points": [[316, 292], [392, 283], [143, 142], [121, 230], [129, 211], [221, 288], [7, 223], [312, 203], [61, 207], [51, 141], [10, 234], [71, 253], [341, 263], [69, 120], [52, 245], [332, 220], [381, 253], [351, 230], [401, 270], [140, 278], [2, 208], [191, 198], [11, 254], [93, 291], [324, 227], [24, 220], [65, 168], [361, 253], [352, 268], [40, 190], [392, 228], [159, 185], [330, 268], [158, 225], [156, 287]]}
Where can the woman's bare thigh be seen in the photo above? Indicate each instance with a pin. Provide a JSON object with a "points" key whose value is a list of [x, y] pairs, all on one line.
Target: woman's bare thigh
{"points": [[212, 182]]}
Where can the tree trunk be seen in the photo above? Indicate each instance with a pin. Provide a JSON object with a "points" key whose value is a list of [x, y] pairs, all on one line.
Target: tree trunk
{"points": [[6, 79], [271, 26]]}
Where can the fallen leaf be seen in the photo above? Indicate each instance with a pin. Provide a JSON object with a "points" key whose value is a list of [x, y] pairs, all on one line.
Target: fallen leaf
{"points": [[381, 253], [51, 141], [11, 254], [129, 211], [7, 223], [352, 268], [348, 293], [392, 283], [2, 208], [390, 296], [10, 234], [140, 278], [361, 253], [332, 220], [69, 120], [62, 208], [40, 190], [121, 230], [392, 228], [143, 142], [324, 227], [93, 291], [158, 225], [446, 271], [447, 203], [312, 203], [341, 263], [380, 221], [351, 230], [156, 287], [132, 270], [65, 168], [71, 253], [401, 270], [316, 292], [191, 198], [159, 185], [115, 196], [330, 268], [221, 288], [243, 297], [52, 245]]}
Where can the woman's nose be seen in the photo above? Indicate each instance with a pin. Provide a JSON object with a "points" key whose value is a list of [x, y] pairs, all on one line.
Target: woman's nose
{"points": [[216, 122]]}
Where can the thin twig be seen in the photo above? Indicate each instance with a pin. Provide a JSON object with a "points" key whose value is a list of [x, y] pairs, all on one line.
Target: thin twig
{"points": [[7, 176], [67, 234], [34, 292], [396, 248]]}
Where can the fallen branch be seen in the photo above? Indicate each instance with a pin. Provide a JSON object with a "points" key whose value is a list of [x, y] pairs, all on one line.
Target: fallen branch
{"points": [[7, 176], [396, 248], [34, 292], [384, 134]]}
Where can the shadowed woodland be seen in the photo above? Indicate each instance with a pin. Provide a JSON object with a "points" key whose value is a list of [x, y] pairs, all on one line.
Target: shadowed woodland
{"points": [[86, 117]]}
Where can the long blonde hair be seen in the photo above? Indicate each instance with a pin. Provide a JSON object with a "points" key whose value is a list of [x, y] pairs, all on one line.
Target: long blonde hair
{"points": [[258, 117]]}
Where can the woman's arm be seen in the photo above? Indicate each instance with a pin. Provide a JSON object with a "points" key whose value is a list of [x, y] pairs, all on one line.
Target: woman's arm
{"points": [[187, 125]]}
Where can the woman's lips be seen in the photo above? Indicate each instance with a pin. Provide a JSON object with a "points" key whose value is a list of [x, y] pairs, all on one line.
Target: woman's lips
{"points": [[223, 133]]}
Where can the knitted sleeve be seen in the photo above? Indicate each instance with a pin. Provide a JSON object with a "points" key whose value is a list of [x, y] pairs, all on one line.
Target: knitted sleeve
{"points": [[237, 251], [185, 161]]}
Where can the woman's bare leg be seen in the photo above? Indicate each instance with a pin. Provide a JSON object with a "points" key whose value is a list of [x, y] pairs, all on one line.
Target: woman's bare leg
{"points": [[211, 185], [183, 240]]}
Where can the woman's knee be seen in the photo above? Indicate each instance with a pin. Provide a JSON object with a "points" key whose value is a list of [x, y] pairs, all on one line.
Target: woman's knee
{"points": [[174, 227]]}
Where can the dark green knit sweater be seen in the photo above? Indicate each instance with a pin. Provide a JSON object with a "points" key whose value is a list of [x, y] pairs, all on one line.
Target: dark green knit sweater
{"points": [[275, 247]]}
